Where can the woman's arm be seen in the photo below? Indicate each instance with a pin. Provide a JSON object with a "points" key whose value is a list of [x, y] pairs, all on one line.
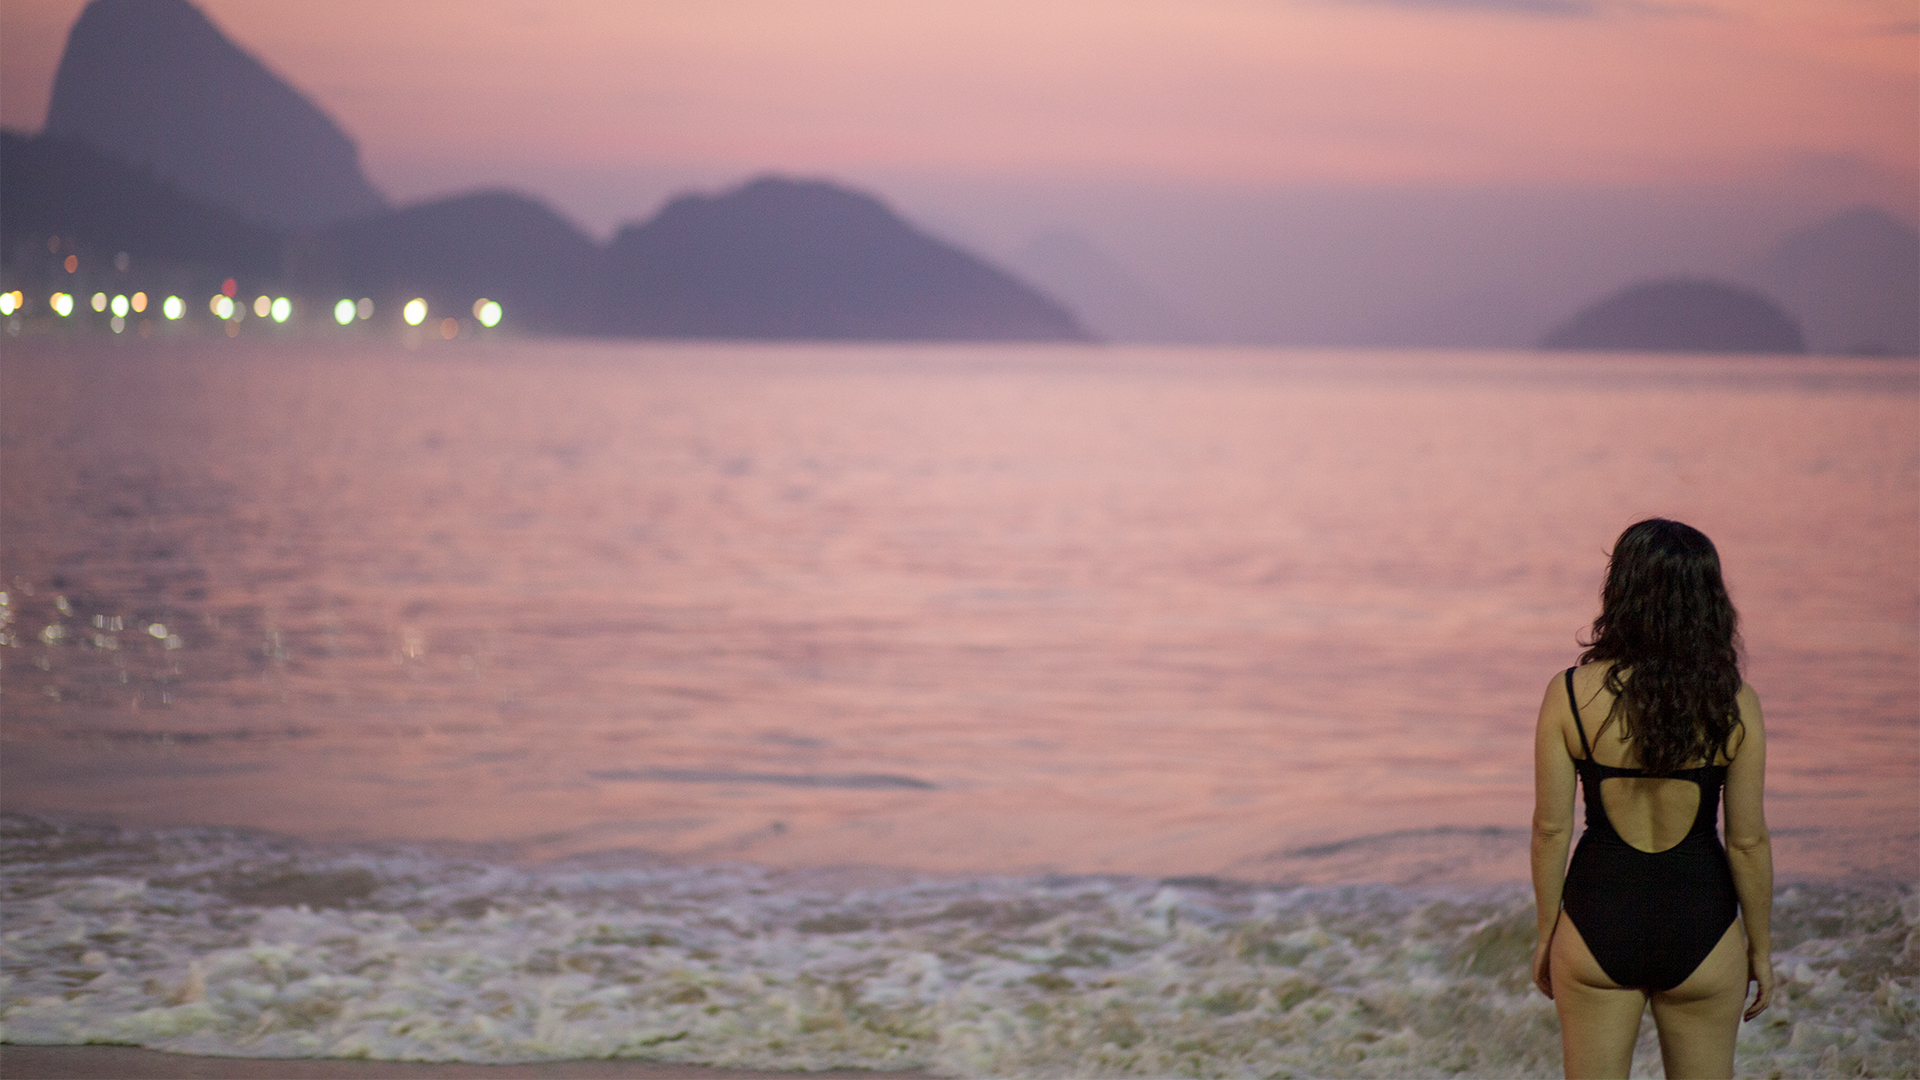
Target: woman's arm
{"points": [[1749, 850], [1553, 788]]}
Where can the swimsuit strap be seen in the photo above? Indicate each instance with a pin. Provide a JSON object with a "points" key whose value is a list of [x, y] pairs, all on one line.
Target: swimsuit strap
{"points": [[1578, 726]]}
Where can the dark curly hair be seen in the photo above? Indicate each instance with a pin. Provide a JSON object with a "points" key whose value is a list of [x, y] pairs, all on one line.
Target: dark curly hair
{"points": [[1671, 632]]}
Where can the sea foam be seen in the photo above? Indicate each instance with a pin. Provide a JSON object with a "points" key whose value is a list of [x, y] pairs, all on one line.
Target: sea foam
{"points": [[224, 942]]}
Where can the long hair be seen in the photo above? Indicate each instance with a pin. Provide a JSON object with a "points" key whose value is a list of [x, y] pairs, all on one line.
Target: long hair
{"points": [[1671, 632]]}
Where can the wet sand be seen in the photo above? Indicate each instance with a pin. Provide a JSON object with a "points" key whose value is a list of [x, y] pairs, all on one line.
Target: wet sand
{"points": [[127, 1063]]}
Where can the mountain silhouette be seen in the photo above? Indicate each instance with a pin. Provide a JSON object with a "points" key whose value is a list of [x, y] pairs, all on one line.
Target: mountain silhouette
{"points": [[100, 206], [495, 244], [167, 141], [153, 82], [1681, 315], [1854, 281], [783, 258]]}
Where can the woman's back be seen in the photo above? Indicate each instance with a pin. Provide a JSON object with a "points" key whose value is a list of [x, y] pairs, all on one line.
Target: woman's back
{"points": [[1649, 813]]}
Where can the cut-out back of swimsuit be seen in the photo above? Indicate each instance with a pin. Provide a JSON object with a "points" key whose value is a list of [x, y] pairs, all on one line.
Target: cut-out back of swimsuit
{"points": [[1648, 917]]}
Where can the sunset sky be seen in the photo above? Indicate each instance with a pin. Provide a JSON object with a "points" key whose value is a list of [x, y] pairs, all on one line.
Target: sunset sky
{"points": [[994, 120]]}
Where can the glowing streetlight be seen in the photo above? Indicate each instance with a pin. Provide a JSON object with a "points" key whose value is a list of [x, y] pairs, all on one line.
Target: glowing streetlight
{"points": [[62, 303], [120, 307], [139, 301], [262, 305], [99, 301], [172, 307], [223, 307], [282, 309], [415, 312], [7, 305], [487, 311], [343, 312]]}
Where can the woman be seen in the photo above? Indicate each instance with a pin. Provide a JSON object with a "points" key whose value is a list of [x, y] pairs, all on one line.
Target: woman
{"points": [[1653, 722]]}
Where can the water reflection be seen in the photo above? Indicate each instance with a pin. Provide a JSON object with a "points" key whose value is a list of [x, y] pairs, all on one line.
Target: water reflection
{"points": [[967, 608]]}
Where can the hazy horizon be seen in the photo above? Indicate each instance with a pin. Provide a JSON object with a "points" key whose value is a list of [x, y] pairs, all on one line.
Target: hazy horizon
{"points": [[1366, 172]]}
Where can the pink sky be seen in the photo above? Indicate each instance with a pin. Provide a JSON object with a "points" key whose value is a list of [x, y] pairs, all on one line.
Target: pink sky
{"points": [[1293, 170], [443, 94]]}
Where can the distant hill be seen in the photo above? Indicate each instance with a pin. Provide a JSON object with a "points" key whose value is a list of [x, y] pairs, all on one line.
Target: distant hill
{"points": [[1107, 297], [154, 82], [1681, 315], [100, 206], [1854, 281], [496, 244], [168, 142], [781, 258]]}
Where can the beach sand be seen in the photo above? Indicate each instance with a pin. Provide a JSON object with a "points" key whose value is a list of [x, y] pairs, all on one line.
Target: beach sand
{"points": [[133, 1063]]}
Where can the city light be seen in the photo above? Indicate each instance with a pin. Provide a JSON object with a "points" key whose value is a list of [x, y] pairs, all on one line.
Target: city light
{"points": [[222, 307], [449, 328], [62, 304], [363, 309], [487, 311], [7, 304], [118, 322], [99, 301], [415, 312], [343, 312], [120, 307], [173, 307], [282, 309], [72, 263], [262, 305], [139, 301]]}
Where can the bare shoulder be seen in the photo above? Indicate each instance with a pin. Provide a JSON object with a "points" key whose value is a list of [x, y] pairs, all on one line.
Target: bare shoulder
{"points": [[1750, 729], [1590, 681]]}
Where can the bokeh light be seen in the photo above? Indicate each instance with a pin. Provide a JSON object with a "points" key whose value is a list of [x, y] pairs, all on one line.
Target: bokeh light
{"points": [[343, 312], [415, 312], [139, 301], [229, 288], [262, 305], [364, 309], [282, 309], [99, 301], [223, 307], [62, 304], [72, 264], [449, 328], [118, 322], [488, 312], [7, 305], [120, 307], [173, 307]]}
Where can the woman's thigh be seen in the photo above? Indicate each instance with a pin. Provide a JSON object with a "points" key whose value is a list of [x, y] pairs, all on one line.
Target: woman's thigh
{"points": [[1599, 1019], [1700, 1018]]}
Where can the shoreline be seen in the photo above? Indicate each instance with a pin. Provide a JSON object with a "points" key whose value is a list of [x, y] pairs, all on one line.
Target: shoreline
{"points": [[97, 1062]]}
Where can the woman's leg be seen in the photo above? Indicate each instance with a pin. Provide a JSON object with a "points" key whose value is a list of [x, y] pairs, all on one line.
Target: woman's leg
{"points": [[1599, 1020], [1700, 1018]]}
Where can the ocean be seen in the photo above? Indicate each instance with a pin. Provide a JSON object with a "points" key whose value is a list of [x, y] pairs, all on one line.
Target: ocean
{"points": [[1004, 710]]}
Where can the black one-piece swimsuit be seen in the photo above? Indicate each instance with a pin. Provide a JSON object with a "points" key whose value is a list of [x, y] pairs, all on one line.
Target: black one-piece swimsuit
{"points": [[1648, 917]]}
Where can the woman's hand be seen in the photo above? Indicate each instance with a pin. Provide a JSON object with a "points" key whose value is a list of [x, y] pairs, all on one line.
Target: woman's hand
{"points": [[1760, 970], [1543, 975]]}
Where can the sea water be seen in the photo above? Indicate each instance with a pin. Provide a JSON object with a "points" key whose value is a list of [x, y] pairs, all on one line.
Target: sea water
{"points": [[220, 942], [999, 710]]}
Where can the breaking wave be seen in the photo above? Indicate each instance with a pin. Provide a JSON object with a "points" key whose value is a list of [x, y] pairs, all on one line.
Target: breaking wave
{"points": [[218, 941]]}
